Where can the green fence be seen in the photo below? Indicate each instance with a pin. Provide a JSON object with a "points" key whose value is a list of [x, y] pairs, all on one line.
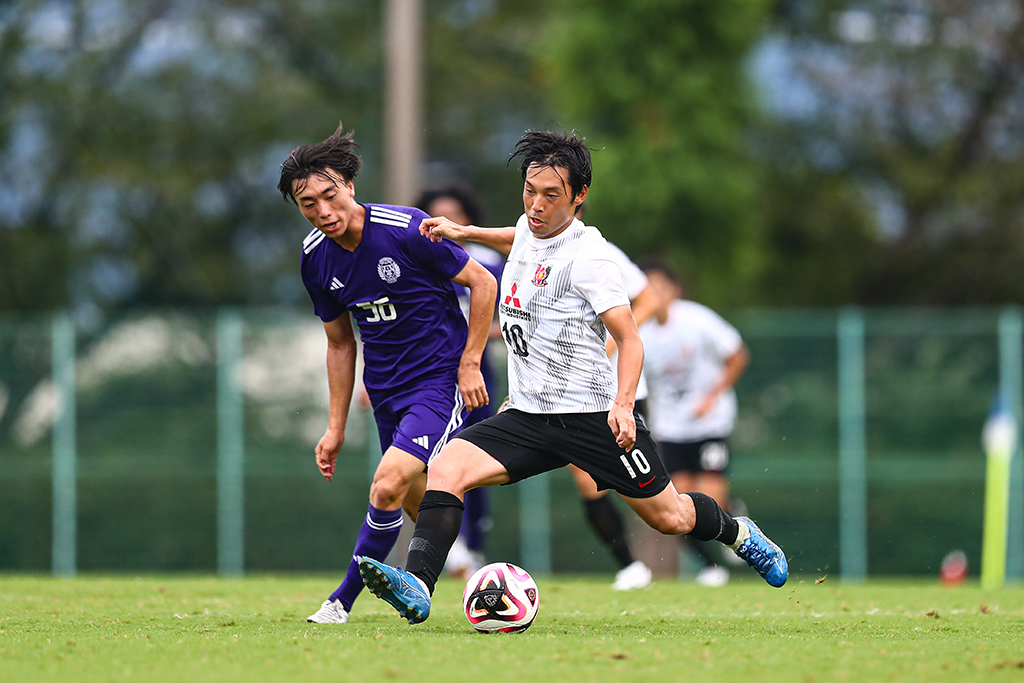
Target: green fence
{"points": [[183, 440]]}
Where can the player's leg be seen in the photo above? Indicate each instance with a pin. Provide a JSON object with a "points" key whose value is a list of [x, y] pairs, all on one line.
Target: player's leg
{"points": [[411, 502], [712, 573], [639, 475], [699, 515], [392, 481], [505, 448], [466, 555], [460, 466], [412, 426], [395, 476], [603, 517]]}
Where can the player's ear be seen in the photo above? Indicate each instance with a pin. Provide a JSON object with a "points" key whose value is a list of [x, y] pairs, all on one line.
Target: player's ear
{"points": [[581, 197]]}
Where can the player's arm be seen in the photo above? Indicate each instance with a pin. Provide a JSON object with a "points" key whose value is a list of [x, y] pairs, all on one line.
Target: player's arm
{"points": [[483, 291], [620, 324], [341, 374], [499, 239], [643, 306], [732, 370]]}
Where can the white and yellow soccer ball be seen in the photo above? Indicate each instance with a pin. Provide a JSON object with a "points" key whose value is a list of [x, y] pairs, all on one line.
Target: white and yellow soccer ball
{"points": [[501, 598]]}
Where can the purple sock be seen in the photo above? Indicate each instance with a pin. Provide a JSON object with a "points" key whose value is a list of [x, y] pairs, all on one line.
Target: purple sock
{"points": [[476, 519], [376, 538]]}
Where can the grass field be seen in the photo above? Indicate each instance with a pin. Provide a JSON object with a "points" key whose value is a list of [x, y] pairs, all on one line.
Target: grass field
{"points": [[196, 628]]}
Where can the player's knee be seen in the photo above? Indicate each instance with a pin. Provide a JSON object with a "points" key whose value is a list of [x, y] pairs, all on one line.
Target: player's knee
{"points": [[387, 490]]}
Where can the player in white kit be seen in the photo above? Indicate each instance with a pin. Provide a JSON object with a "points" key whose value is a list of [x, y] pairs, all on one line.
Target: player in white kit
{"points": [[694, 359], [561, 295], [598, 509]]}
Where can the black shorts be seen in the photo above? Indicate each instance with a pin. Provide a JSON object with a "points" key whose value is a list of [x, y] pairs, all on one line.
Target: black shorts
{"points": [[696, 457], [528, 444]]}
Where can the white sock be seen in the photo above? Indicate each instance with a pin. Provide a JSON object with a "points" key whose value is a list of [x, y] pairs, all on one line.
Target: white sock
{"points": [[741, 535]]}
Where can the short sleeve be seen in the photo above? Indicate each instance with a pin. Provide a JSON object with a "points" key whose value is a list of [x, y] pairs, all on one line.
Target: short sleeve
{"points": [[724, 337], [597, 277], [324, 305], [447, 258], [632, 277]]}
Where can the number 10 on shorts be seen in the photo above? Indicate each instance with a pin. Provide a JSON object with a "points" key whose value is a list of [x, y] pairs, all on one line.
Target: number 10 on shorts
{"points": [[639, 459]]}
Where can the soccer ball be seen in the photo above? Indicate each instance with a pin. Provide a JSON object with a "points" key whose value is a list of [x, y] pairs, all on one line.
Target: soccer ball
{"points": [[501, 598]]}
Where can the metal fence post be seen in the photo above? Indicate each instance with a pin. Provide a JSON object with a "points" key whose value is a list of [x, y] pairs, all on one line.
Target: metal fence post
{"points": [[230, 446], [1011, 387], [65, 453], [535, 524], [853, 549]]}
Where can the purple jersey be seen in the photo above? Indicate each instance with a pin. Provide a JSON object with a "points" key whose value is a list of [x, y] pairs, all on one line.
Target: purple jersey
{"points": [[397, 287], [494, 262]]}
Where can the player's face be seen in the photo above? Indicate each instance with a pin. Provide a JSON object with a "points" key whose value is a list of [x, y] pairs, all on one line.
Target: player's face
{"points": [[665, 289], [328, 202], [548, 200]]}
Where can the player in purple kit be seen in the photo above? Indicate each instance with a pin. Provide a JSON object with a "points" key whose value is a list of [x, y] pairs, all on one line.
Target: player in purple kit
{"points": [[368, 262]]}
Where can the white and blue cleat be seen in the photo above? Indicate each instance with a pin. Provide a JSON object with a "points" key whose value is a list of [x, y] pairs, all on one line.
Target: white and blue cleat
{"points": [[763, 555], [397, 587]]}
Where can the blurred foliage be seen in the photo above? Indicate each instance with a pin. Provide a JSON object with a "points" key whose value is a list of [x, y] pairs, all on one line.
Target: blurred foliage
{"points": [[663, 99], [782, 152], [903, 133]]}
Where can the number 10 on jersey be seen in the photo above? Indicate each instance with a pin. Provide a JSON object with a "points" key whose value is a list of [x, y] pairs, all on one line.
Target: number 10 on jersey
{"points": [[516, 339]]}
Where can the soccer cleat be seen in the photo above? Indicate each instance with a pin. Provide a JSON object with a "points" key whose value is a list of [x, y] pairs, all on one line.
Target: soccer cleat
{"points": [[331, 612], [763, 555], [397, 587], [632, 576], [713, 576]]}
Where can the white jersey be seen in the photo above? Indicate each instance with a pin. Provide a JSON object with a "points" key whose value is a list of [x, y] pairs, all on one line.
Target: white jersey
{"points": [[552, 294], [684, 359], [635, 281]]}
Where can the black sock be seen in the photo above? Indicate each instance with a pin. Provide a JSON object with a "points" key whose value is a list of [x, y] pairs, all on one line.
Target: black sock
{"points": [[607, 522], [437, 527], [713, 523]]}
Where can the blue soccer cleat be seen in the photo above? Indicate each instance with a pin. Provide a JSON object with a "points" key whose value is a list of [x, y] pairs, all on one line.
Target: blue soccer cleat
{"points": [[763, 555], [397, 587]]}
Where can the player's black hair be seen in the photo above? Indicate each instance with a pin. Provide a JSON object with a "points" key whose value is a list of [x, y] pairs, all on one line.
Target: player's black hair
{"points": [[565, 150], [336, 153], [463, 195], [660, 264]]}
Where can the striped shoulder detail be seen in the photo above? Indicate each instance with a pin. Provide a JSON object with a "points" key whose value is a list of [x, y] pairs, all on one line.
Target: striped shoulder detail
{"points": [[312, 239], [385, 216]]}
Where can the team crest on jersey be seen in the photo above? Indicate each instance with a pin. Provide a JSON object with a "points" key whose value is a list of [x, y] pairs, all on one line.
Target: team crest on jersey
{"points": [[540, 276], [388, 270]]}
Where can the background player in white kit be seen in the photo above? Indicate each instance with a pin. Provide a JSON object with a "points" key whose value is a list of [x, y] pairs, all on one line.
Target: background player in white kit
{"points": [[598, 509], [561, 295], [693, 360]]}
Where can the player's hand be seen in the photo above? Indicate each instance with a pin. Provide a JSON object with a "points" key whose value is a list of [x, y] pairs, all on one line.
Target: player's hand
{"points": [[472, 387], [705, 405], [327, 452], [436, 228], [623, 426]]}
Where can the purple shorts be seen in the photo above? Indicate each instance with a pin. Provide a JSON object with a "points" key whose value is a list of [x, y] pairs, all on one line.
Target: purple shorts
{"points": [[419, 420]]}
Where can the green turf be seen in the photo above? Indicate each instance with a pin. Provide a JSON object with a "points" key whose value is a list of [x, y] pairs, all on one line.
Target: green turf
{"points": [[196, 629]]}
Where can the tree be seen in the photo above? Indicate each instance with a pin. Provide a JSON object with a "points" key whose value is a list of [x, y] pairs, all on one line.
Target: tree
{"points": [[139, 143], [914, 109], [660, 90]]}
